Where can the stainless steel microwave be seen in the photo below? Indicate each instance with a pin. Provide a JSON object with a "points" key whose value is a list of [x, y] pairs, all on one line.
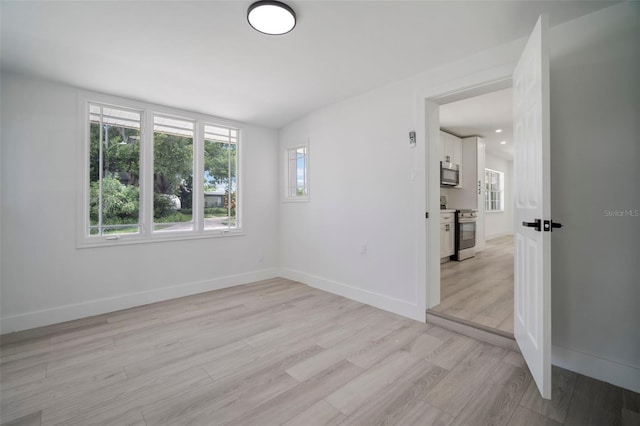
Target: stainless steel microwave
{"points": [[449, 174]]}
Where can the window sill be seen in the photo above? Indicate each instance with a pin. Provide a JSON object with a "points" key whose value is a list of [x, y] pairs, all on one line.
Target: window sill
{"points": [[296, 200], [128, 240], [494, 211]]}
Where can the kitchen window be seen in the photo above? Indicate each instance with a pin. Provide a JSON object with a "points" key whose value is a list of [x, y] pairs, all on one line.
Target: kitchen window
{"points": [[155, 174], [494, 191]]}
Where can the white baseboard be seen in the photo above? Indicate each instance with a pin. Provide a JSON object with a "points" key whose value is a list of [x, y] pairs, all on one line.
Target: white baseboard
{"points": [[111, 304], [625, 376], [377, 300]]}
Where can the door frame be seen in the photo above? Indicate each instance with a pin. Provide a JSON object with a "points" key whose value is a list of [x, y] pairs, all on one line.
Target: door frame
{"points": [[429, 247]]}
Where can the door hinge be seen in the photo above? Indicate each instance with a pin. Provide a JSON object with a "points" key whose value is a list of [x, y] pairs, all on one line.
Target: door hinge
{"points": [[426, 215], [549, 225]]}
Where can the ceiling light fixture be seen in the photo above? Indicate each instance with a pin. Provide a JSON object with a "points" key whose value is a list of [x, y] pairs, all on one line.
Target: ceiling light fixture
{"points": [[503, 143], [498, 130], [271, 17]]}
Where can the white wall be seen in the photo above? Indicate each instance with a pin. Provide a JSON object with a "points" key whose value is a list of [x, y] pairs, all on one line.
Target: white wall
{"points": [[368, 187], [360, 157], [595, 153], [499, 224], [46, 279], [361, 193]]}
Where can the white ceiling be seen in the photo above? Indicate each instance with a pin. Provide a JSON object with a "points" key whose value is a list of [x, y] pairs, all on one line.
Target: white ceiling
{"points": [[482, 116], [203, 55]]}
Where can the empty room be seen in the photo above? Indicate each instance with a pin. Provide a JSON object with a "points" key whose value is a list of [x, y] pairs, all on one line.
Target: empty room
{"points": [[282, 213]]}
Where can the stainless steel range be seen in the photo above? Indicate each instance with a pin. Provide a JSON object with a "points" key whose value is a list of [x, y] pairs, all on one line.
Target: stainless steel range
{"points": [[465, 233]]}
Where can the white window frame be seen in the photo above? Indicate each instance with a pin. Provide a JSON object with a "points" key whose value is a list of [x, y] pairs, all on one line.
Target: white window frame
{"points": [[200, 157], [488, 192], [286, 190], [124, 109], [147, 235]]}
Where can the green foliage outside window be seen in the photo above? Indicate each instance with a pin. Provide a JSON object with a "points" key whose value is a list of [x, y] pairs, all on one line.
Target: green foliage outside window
{"points": [[116, 174], [120, 203]]}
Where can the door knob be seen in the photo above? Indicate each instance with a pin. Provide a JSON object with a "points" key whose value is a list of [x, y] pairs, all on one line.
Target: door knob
{"points": [[549, 225], [537, 224]]}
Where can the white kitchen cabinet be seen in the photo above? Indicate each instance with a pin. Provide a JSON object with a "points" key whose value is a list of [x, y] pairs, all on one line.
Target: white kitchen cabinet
{"points": [[447, 240], [451, 151], [447, 234], [456, 153], [446, 150], [471, 196]]}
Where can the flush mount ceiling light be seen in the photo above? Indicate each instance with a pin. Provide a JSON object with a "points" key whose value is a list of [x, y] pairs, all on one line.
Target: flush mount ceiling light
{"points": [[498, 130], [503, 143], [271, 17]]}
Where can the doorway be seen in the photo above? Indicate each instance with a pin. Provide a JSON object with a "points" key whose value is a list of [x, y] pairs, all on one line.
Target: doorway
{"points": [[532, 195], [476, 284], [433, 151]]}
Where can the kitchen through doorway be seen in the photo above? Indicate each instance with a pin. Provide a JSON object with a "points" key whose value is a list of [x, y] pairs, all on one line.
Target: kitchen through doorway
{"points": [[477, 211]]}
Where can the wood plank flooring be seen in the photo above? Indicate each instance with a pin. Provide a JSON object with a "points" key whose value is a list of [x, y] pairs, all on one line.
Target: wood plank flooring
{"points": [[480, 289], [278, 352]]}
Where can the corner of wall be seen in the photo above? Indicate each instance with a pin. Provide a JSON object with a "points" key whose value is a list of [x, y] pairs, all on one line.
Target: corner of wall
{"points": [[377, 300]]}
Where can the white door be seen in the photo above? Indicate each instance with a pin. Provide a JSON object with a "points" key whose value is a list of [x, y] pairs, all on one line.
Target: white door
{"points": [[532, 299]]}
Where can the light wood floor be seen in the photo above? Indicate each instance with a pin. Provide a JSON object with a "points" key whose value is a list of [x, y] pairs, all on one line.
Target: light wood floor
{"points": [[278, 352], [480, 289]]}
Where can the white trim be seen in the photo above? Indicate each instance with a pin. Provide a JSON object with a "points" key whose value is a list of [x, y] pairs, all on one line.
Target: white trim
{"points": [[146, 169], [285, 198], [616, 373], [197, 203], [473, 332], [295, 200], [147, 233], [429, 248], [501, 190], [87, 95], [161, 237], [110, 304], [397, 306], [428, 118]]}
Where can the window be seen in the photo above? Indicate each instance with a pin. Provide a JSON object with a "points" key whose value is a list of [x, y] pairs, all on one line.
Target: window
{"points": [[114, 171], [220, 177], [172, 174], [297, 173], [155, 174], [494, 191]]}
